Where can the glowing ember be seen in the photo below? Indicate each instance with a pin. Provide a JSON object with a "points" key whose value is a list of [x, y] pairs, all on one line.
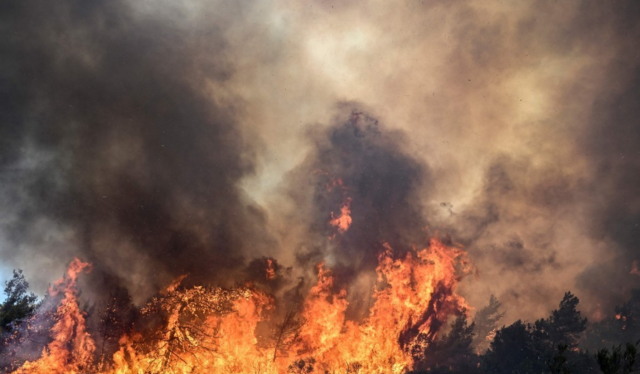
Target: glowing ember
{"points": [[342, 221]]}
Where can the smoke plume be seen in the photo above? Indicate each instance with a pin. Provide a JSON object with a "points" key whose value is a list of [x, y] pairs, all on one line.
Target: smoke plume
{"points": [[196, 137]]}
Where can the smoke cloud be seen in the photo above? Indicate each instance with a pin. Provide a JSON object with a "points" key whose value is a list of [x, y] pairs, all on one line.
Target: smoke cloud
{"points": [[195, 137], [116, 139]]}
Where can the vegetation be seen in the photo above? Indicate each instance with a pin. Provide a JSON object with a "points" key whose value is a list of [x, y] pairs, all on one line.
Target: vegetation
{"points": [[18, 307], [552, 345], [18, 304]]}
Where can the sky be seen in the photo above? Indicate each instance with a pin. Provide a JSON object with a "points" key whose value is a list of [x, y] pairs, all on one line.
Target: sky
{"points": [[168, 137]]}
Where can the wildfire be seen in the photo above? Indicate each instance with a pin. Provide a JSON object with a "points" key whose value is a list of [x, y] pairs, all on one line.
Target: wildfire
{"points": [[342, 221], [203, 329], [71, 350], [209, 330]]}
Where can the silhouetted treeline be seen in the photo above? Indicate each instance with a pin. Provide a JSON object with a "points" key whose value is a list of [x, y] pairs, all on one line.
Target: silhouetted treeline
{"points": [[562, 343]]}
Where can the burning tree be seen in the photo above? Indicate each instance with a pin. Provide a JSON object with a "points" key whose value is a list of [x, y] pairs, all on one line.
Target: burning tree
{"points": [[71, 349], [116, 319], [286, 334], [187, 330]]}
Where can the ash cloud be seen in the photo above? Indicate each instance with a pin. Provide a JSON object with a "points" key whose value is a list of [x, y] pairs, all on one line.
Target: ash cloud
{"points": [[115, 135]]}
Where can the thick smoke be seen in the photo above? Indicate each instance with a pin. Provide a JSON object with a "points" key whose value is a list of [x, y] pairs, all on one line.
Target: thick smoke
{"points": [[116, 135], [556, 205], [129, 134], [360, 163]]}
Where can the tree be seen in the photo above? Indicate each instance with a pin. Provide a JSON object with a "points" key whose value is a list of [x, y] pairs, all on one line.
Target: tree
{"points": [[286, 333], [116, 319], [563, 327], [19, 303], [486, 322], [621, 329], [566, 324], [452, 352], [548, 345], [618, 361], [558, 363], [513, 351], [184, 312]]}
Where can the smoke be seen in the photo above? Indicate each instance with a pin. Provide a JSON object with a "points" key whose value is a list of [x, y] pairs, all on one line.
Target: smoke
{"points": [[360, 163], [116, 135], [195, 137]]}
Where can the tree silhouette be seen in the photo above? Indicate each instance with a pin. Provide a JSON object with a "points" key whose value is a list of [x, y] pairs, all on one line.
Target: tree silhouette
{"points": [[452, 352], [618, 361], [486, 323], [115, 320], [513, 350], [566, 324]]}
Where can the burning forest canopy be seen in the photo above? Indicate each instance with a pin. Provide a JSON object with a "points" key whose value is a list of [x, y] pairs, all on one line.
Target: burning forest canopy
{"points": [[319, 187]]}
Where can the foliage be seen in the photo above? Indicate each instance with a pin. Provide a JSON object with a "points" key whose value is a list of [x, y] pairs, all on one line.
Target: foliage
{"points": [[618, 361], [184, 312], [20, 334], [116, 319], [452, 352], [19, 303], [622, 328], [548, 345]]}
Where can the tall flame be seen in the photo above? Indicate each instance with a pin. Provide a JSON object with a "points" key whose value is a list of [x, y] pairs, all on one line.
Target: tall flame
{"points": [[72, 348]]}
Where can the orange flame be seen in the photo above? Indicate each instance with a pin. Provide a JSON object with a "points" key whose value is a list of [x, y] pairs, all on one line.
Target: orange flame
{"points": [[271, 270], [343, 221], [211, 330], [72, 348]]}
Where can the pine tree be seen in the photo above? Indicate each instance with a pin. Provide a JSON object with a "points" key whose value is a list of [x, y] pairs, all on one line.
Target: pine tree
{"points": [[618, 361], [566, 324], [452, 352], [19, 303]]}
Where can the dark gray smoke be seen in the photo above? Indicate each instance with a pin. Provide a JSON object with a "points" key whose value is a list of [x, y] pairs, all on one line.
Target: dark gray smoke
{"points": [[358, 159], [112, 135]]}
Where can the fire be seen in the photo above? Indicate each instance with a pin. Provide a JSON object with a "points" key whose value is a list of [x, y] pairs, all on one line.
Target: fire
{"points": [[203, 329], [342, 221], [209, 330], [72, 348], [271, 271]]}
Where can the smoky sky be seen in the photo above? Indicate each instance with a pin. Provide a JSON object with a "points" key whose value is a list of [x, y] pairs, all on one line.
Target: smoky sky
{"points": [[195, 137], [130, 151]]}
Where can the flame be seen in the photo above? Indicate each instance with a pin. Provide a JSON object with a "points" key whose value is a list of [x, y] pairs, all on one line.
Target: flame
{"points": [[212, 330], [343, 221], [72, 348], [271, 270]]}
